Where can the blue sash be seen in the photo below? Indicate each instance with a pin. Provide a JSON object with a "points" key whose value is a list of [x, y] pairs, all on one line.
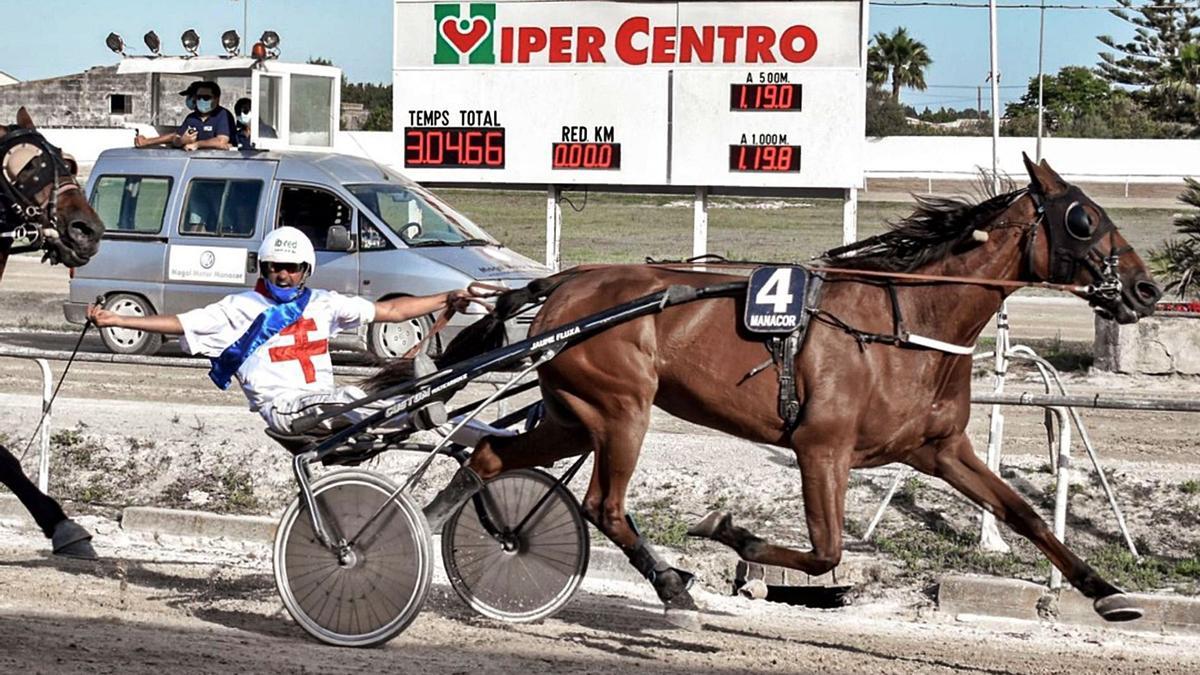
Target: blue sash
{"points": [[266, 326]]}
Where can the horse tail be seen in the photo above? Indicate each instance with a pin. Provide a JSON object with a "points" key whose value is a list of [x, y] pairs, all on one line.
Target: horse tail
{"points": [[482, 336]]}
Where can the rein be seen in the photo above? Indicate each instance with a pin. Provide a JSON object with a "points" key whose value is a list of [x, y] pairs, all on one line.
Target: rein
{"points": [[35, 220], [479, 292]]}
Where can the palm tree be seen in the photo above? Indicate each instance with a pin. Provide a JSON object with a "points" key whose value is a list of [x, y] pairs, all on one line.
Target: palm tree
{"points": [[1178, 261], [905, 58]]}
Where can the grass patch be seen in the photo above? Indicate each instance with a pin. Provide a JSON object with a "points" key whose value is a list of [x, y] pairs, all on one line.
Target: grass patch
{"points": [[1152, 572], [1190, 487], [660, 525], [940, 549]]}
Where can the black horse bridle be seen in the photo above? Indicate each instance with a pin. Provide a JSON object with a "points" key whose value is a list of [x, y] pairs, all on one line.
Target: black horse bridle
{"points": [[1074, 239], [22, 216]]}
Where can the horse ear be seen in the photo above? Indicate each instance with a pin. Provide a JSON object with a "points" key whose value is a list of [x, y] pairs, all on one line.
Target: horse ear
{"points": [[23, 119], [1043, 179]]}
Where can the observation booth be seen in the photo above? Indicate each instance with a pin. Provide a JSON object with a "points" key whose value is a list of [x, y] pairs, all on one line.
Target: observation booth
{"points": [[294, 106]]}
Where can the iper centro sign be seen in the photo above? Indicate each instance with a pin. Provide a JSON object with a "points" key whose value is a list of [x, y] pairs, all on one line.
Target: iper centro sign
{"points": [[473, 33]]}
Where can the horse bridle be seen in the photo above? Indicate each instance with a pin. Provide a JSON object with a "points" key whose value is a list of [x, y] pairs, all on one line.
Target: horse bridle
{"points": [[1074, 242], [21, 214]]}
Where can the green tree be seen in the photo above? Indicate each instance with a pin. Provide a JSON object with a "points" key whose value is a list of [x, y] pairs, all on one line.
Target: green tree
{"points": [[1161, 59], [899, 57], [1178, 261], [885, 117], [376, 99], [1078, 103]]}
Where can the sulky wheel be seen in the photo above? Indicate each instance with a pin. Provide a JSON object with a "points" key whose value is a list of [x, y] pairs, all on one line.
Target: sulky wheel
{"points": [[370, 592], [517, 576]]}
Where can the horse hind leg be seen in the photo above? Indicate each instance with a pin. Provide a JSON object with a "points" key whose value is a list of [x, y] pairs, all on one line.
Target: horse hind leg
{"points": [[67, 537], [956, 463], [825, 476]]}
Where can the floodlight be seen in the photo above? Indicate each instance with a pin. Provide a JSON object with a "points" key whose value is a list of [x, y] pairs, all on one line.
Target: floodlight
{"points": [[191, 41], [152, 43], [230, 41], [115, 43], [270, 39]]}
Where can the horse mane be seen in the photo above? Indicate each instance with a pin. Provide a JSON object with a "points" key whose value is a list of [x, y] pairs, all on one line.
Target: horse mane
{"points": [[937, 227]]}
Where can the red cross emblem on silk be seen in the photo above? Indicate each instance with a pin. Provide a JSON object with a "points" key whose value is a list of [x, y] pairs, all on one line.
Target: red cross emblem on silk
{"points": [[301, 350]]}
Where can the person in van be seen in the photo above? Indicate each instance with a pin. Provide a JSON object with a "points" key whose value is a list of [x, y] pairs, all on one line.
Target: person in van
{"points": [[275, 339], [241, 114], [189, 102], [210, 126]]}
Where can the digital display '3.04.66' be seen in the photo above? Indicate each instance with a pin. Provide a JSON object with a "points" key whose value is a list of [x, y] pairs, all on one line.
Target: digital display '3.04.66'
{"points": [[454, 147], [773, 158]]}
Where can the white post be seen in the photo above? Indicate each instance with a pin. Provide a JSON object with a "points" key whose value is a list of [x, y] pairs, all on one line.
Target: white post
{"points": [[995, 77], [700, 222], [850, 216], [553, 228], [47, 395], [1063, 487], [1041, 49], [989, 534]]}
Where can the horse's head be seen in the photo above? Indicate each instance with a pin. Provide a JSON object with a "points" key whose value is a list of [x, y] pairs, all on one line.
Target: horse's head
{"points": [[1073, 241], [40, 198]]}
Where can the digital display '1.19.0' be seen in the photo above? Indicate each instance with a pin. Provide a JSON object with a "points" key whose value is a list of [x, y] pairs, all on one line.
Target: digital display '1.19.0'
{"points": [[454, 147], [773, 158], [585, 156], [764, 97]]}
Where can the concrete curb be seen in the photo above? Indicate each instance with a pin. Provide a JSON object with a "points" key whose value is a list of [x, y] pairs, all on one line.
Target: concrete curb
{"points": [[1017, 599], [154, 520]]}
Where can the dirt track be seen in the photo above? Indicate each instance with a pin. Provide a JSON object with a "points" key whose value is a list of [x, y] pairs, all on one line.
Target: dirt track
{"points": [[172, 608]]}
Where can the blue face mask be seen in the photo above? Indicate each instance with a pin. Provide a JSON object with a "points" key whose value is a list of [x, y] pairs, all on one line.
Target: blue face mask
{"points": [[204, 106], [280, 294]]}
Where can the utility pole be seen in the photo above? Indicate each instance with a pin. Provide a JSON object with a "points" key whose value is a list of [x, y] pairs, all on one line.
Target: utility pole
{"points": [[1041, 45], [979, 102], [995, 78]]}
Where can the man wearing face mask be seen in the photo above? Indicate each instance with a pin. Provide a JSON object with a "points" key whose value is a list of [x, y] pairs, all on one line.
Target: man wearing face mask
{"points": [[189, 102], [274, 339], [210, 126]]}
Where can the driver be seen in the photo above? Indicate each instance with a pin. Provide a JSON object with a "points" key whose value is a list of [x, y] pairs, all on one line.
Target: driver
{"points": [[275, 339]]}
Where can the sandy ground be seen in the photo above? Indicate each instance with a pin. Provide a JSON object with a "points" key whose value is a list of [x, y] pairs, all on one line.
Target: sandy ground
{"points": [[190, 606]]}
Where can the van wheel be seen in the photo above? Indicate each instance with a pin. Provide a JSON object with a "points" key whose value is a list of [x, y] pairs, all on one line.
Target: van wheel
{"points": [[393, 340], [125, 340]]}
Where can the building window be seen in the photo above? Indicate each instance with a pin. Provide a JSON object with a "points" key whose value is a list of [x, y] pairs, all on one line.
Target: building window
{"points": [[120, 104]]}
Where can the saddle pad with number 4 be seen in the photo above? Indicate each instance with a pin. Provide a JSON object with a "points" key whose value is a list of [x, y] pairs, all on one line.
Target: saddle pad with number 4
{"points": [[775, 299]]}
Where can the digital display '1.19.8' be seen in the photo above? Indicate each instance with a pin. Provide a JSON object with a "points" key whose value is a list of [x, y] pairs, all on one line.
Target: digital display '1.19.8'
{"points": [[454, 147], [764, 97], [585, 156], [772, 158]]}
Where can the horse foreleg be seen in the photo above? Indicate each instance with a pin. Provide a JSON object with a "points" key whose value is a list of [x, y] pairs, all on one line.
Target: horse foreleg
{"points": [[66, 536], [825, 475], [955, 462]]}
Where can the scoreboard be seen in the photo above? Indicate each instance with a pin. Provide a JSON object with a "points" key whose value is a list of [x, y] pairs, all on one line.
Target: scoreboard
{"points": [[722, 94]]}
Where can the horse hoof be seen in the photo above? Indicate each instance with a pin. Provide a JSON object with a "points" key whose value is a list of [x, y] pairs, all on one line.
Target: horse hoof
{"points": [[1117, 607], [755, 589], [71, 540], [712, 523]]}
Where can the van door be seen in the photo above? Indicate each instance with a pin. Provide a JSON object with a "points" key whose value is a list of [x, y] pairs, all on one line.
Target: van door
{"points": [[214, 243], [313, 210]]}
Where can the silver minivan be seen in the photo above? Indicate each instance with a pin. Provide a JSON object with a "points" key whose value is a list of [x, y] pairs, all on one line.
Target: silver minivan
{"points": [[183, 229]]}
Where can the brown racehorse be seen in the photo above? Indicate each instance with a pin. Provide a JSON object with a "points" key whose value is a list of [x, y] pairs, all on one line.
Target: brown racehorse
{"points": [[864, 403], [40, 197]]}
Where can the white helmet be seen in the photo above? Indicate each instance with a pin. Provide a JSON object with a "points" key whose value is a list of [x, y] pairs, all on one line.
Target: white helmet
{"points": [[287, 244]]}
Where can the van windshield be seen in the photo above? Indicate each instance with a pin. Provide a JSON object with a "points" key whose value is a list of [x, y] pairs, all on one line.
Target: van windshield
{"points": [[401, 207]]}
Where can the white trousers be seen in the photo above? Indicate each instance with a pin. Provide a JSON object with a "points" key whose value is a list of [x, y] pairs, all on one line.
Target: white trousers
{"points": [[281, 413]]}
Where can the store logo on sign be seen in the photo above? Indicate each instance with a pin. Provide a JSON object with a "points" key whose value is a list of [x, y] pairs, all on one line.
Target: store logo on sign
{"points": [[464, 34], [208, 259]]}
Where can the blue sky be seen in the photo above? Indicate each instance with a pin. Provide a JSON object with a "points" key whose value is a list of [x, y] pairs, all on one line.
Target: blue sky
{"points": [[357, 36]]}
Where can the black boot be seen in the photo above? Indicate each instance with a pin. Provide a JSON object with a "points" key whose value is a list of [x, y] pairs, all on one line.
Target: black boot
{"points": [[670, 583], [462, 487]]}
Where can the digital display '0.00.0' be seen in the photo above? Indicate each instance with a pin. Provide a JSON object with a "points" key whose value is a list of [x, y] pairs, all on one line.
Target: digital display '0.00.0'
{"points": [[585, 156], [772, 158], [454, 147]]}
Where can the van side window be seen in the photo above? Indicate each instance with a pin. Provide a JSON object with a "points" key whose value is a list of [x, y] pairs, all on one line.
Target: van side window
{"points": [[221, 208], [131, 204], [313, 212], [369, 236]]}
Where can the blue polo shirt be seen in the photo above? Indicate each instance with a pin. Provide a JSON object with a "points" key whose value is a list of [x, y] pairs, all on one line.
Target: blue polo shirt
{"points": [[219, 123]]}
